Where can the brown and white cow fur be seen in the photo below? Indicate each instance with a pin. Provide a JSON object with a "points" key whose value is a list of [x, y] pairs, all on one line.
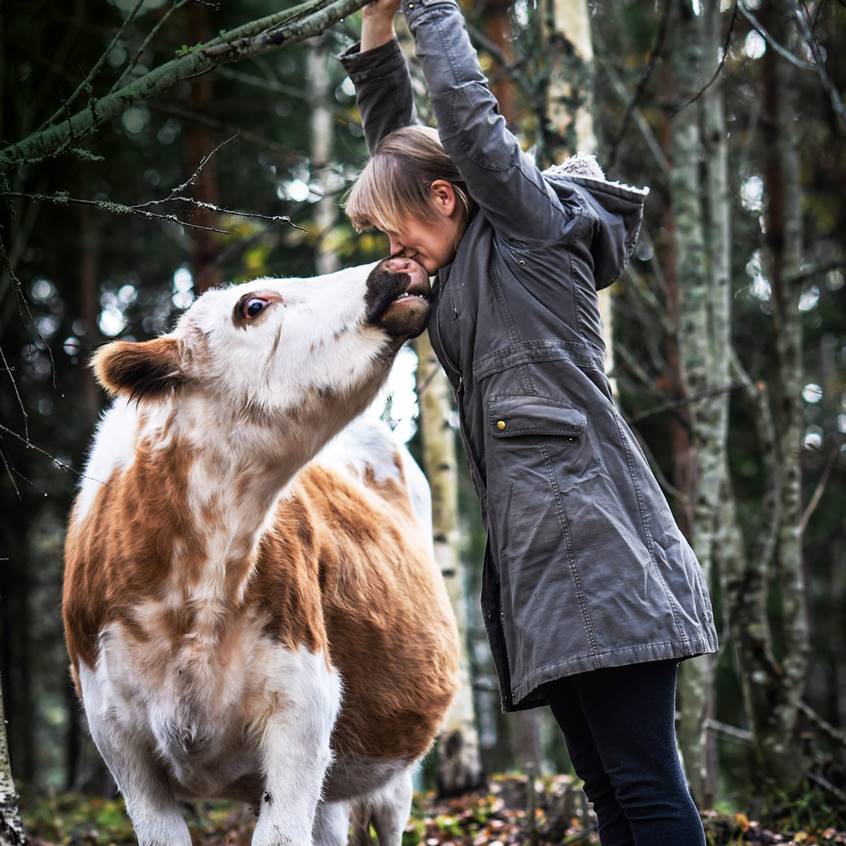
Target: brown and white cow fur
{"points": [[251, 605]]}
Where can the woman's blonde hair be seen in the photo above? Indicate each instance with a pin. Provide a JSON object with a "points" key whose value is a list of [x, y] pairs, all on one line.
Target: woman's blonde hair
{"points": [[396, 182]]}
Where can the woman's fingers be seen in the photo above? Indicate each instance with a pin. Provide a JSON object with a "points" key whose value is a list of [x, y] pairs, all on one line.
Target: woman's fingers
{"points": [[382, 8]]}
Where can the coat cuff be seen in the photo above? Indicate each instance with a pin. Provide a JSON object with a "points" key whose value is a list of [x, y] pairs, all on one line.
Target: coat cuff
{"points": [[416, 9], [372, 64]]}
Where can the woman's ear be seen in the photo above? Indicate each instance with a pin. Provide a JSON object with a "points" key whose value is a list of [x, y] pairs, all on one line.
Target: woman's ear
{"points": [[139, 369], [443, 197]]}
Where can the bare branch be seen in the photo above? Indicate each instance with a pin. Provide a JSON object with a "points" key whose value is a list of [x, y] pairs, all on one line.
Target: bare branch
{"points": [[782, 51], [150, 36], [819, 62], [252, 39], [720, 65], [814, 501], [85, 85], [657, 49]]}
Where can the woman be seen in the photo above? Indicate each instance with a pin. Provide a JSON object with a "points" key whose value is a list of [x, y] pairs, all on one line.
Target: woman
{"points": [[591, 594]]}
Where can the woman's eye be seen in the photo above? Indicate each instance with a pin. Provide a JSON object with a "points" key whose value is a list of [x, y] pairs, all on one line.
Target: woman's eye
{"points": [[254, 307]]}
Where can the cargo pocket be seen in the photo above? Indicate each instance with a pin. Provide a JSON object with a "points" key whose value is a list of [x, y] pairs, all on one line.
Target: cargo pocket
{"points": [[527, 431], [536, 448]]}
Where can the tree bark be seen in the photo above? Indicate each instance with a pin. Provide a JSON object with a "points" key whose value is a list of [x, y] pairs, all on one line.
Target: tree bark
{"points": [[459, 768], [568, 128], [703, 337], [326, 209], [11, 828]]}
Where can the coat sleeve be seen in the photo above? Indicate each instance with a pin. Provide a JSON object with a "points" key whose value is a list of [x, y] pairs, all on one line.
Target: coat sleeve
{"points": [[503, 180], [382, 89]]}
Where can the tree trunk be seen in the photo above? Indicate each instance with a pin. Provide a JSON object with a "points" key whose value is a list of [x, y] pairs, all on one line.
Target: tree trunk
{"points": [[459, 767], [703, 336], [11, 829], [326, 210], [775, 734], [568, 128], [200, 141]]}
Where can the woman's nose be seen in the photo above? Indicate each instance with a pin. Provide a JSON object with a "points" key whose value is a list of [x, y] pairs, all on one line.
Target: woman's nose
{"points": [[395, 246]]}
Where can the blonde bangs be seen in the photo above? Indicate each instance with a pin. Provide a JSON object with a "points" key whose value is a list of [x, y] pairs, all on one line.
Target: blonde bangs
{"points": [[395, 185], [381, 198]]}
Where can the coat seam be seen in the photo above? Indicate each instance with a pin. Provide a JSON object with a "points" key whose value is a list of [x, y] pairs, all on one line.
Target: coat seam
{"points": [[564, 522], [650, 544]]}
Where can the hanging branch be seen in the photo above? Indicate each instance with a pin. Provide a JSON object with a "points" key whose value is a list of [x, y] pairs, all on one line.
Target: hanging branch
{"points": [[814, 47], [251, 39], [657, 49], [719, 68]]}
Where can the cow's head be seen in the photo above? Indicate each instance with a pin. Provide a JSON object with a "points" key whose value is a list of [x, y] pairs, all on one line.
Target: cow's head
{"points": [[275, 349]]}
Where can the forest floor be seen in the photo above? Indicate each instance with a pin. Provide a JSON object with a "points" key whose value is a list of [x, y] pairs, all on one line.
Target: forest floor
{"points": [[496, 816]]}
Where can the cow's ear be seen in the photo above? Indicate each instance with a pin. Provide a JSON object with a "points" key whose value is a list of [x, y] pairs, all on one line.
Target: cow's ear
{"points": [[139, 369]]}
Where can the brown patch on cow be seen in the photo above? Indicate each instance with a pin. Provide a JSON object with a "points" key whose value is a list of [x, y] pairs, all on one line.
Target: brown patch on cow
{"points": [[121, 553], [139, 369], [390, 627]]}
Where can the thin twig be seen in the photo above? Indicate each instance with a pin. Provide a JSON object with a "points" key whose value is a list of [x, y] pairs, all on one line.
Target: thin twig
{"points": [[657, 49], [85, 85], [109, 206], [150, 36], [17, 392], [11, 479], [823, 725], [825, 79], [720, 65], [742, 735], [688, 400], [57, 461], [782, 51], [821, 486]]}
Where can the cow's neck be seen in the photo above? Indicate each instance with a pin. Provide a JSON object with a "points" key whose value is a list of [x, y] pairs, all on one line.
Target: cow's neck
{"points": [[216, 481]]}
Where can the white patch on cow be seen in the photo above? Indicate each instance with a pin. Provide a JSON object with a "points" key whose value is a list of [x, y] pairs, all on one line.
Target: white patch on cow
{"points": [[113, 448], [367, 443], [190, 710]]}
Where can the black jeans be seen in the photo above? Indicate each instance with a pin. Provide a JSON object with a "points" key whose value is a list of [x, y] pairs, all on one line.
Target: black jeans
{"points": [[619, 726]]}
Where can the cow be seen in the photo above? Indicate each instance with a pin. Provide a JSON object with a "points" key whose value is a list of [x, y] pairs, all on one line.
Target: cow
{"points": [[252, 608]]}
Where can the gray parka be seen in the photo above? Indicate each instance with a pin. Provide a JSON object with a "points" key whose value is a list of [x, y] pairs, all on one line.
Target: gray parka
{"points": [[585, 566]]}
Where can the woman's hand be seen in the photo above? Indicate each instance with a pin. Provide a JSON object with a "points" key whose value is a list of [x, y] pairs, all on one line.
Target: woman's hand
{"points": [[378, 23], [381, 9]]}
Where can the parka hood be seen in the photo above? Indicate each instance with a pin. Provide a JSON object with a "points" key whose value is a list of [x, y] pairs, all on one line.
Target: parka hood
{"points": [[614, 209]]}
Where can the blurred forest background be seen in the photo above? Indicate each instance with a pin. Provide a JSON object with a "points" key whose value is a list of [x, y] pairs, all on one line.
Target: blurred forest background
{"points": [[729, 327]]}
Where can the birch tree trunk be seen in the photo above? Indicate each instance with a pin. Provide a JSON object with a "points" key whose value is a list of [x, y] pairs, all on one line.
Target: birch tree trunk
{"points": [[569, 110], [326, 210], [703, 276], [459, 768], [11, 829]]}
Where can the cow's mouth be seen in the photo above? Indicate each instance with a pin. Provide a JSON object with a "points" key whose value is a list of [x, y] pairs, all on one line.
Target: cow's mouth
{"points": [[398, 297]]}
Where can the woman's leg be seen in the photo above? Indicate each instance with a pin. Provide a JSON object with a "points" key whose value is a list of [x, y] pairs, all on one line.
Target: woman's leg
{"points": [[630, 713], [614, 829]]}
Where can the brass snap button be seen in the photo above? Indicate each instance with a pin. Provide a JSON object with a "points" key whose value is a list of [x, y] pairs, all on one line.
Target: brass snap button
{"points": [[500, 424]]}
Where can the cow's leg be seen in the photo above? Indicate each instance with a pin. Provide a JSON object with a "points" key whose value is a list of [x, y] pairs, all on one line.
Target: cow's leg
{"points": [[391, 809], [150, 804], [386, 809], [295, 751], [332, 824]]}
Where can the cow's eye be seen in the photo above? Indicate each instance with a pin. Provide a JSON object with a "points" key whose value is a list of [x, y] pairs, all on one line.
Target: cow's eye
{"points": [[253, 307]]}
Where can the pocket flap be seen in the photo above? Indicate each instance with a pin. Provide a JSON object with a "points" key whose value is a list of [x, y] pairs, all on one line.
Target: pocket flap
{"points": [[526, 414]]}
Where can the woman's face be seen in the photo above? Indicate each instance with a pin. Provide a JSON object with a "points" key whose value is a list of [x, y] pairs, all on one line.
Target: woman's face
{"points": [[431, 241]]}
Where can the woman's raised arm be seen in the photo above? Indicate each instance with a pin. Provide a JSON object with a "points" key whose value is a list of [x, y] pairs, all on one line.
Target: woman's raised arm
{"points": [[499, 176], [378, 70]]}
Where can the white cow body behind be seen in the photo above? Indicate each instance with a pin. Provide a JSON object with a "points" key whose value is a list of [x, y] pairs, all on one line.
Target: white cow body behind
{"points": [[251, 604]]}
